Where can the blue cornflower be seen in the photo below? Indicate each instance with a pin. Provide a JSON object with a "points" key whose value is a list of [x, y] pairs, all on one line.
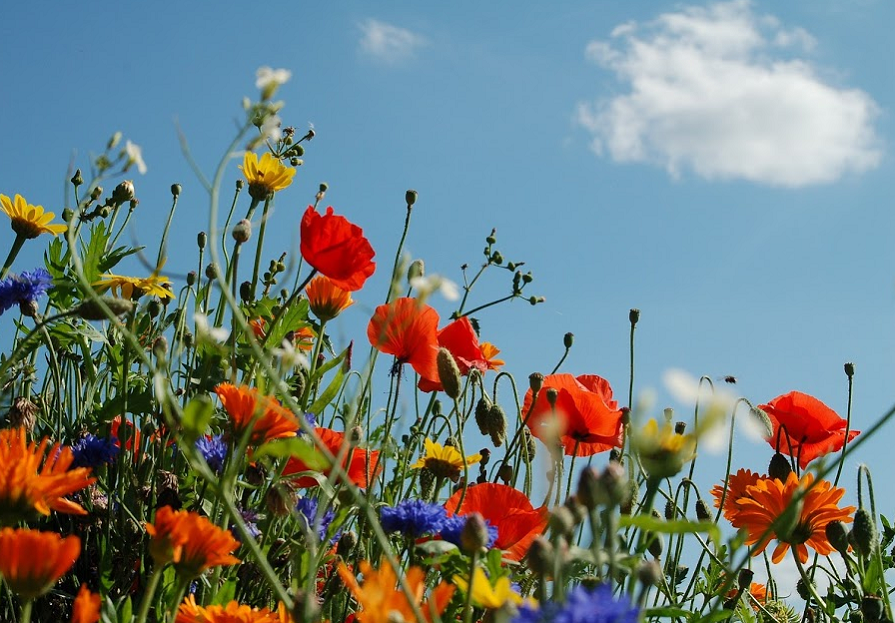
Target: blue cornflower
{"points": [[307, 514], [453, 526], [214, 449], [311, 419], [250, 519], [596, 605], [413, 517], [93, 451], [24, 288]]}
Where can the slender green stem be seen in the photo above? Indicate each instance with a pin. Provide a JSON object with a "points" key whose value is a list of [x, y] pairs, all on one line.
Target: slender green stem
{"points": [[25, 616], [467, 603], [163, 245], [260, 247], [11, 256], [149, 594]]}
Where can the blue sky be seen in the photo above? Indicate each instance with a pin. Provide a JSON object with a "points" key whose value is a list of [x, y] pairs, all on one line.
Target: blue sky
{"points": [[724, 167]]}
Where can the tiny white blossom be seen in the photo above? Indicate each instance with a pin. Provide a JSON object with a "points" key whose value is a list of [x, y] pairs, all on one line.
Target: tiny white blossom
{"points": [[206, 331], [134, 157], [291, 357], [269, 80], [435, 283], [270, 129]]}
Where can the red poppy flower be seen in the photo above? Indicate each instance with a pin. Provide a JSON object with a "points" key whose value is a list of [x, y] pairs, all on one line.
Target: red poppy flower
{"points": [[518, 523], [407, 329], [810, 428], [337, 248], [358, 463], [460, 338], [589, 419]]}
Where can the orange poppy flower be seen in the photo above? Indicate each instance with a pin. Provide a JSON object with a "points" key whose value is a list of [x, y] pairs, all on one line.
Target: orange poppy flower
{"points": [[358, 464], [326, 299], [406, 329], [518, 523], [589, 419], [767, 499], [233, 612], [86, 606], [243, 404], [31, 561], [380, 597], [336, 248], [460, 338], [809, 427], [30, 484], [736, 489], [190, 541]]}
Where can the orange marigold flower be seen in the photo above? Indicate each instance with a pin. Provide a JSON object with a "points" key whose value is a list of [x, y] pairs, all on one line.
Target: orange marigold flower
{"points": [[461, 340], [380, 597], [406, 329], [518, 523], [190, 541], [337, 248], [767, 500], [589, 419], [358, 464], [804, 427], [30, 485], [31, 561], [86, 606], [233, 612], [326, 299], [267, 418], [736, 489]]}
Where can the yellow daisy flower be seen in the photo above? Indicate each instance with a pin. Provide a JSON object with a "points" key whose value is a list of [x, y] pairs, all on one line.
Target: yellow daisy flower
{"points": [[28, 220], [134, 287], [662, 452], [484, 594], [444, 461], [267, 176]]}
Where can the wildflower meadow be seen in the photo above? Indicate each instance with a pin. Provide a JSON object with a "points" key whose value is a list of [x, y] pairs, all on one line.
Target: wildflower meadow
{"points": [[190, 443]]}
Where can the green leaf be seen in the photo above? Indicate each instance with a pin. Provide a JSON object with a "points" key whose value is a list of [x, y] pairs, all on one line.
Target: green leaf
{"points": [[126, 611], [294, 447], [196, 416], [328, 394], [679, 526], [666, 611], [713, 617], [94, 251], [225, 593]]}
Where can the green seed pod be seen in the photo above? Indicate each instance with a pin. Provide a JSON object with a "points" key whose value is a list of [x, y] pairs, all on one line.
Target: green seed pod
{"points": [[864, 530], [849, 369], [448, 373], [568, 339], [124, 192], [410, 197], [202, 239], [176, 189], [481, 414], [245, 291], [191, 278], [634, 316]]}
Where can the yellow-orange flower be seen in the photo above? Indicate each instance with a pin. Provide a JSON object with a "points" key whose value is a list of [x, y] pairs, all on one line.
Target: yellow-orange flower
{"points": [[27, 220], [380, 597], [767, 501], [233, 612], [190, 541], [30, 485], [86, 606], [326, 299], [736, 489], [489, 354], [485, 594], [267, 176], [31, 561], [444, 461], [304, 338], [267, 418], [135, 287]]}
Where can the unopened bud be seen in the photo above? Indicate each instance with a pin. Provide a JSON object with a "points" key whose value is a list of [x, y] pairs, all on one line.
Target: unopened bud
{"points": [[535, 381], [568, 339], [590, 492], [191, 278], [242, 231], [416, 269], [540, 556], [779, 467], [356, 435], [29, 308], [481, 414], [96, 193], [849, 369], [240, 184], [744, 579], [280, 500], [176, 189], [505, 473], [210, 271], [410, 197], [124, 192], [76, 179], [202, 239], [702, 510], [67, 214], [837, 535], [530, 445], [864, 530], [649, 572], [91, 310], [670, 510], [245, 291], [474, 535], [448, 373], [160, 346], [656, 545], [562, 521], [346, 545], [634, 316]]}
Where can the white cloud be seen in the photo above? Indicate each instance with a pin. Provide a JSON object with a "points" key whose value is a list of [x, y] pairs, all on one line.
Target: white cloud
{"points": [[387, 43], [720, 91]]}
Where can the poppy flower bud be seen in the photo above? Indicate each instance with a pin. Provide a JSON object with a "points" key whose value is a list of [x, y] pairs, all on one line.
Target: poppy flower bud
{"points": [[744, 579], [153, 308], [481, 414], [90, 309], [76, 179], [656, 545], [474, 534], [634, 316], [864, 531], [535, 381], [210, 271], [356, 434], [562, 521], [779, 467], [245, 291], [124, 192], [176, 189], [280, 500], [410, 197], [29, 308], [670, 510], [202, 239], [616, 485], [702, 510], [191, 278], [590, 492], [416, 269], [540, 556], [448, 373], [505, 473], [837, 535], [497, 424], [579, 512], [871, 608], [849, 369], [96, 193], [530, 446], [242, 231], [347, 543], [568, 339], [649, 573]]}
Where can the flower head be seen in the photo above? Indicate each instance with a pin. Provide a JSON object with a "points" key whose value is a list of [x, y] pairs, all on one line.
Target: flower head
{"points": [[190, 541], [444, 461], [806, 427], [135, 287], [662, 451], [28, 220], [589, 420], [267, 418], [267, 176], [406, 329], [311, 520], [413, 518], [453, 528], [24, 288], [737, 484], [461, 340], [213, 450], [93, 451], [486, 594], [233, 612], [763, 512], [86, 606], [518, 523], [31, 561], [596, 605], [134, 157], [326, 299], [268, 80], [380, 599], [361, 465], [31, 484], [337, 248]]}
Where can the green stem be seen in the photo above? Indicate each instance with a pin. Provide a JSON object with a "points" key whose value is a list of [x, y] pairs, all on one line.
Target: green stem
{"points": [[260, 247], [467, 604], [13, 252], [161, 248], [148, 596], [25, 616]]}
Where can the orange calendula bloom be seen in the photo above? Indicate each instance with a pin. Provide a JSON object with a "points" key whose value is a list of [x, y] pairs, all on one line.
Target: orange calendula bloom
{"points": [[32, 561], [267, 176], [266, 416], [86, 606], [190, 541], [766, 501], [29, 221], [406, 329], [380, 596], [736, 489], [326, 299], [30, 485], [233, 612]]}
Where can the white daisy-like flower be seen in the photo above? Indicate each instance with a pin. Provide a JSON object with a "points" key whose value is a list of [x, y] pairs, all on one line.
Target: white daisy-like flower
{"points": [[430, 284], [206, 331], [268, 80], [134, 157]]}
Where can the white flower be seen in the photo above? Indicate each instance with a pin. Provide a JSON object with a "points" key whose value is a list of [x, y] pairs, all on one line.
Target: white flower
{"points": [[290, 357], [435, 283], [134, 157], [269, 80], [270, 128], [205, 331]]}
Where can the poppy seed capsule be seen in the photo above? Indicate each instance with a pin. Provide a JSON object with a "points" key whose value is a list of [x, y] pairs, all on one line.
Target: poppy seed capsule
{"points": [[242, 231], [849, 369], [505, 473], [496, 424], [552, 395], [176, 189], [191, 278], [535, 382], [474, 534], [410, 197], [540, 556], [481, 414], [864, 530], [347, 543], [837, 535], [448, 373], [210, 271], [634, 316]]}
